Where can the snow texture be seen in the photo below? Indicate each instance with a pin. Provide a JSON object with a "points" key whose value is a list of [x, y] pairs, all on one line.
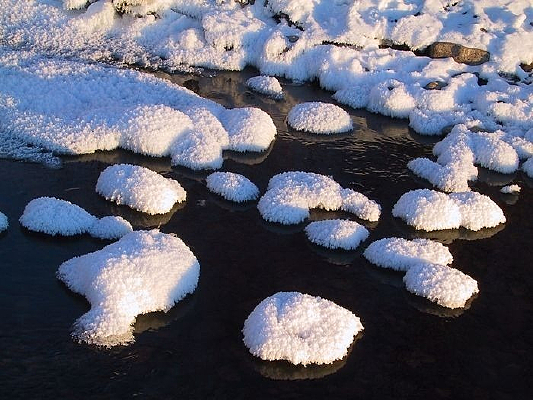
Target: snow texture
{"points": [[401, 254], [528, 167], [232, 186], [144, 271], [267, 85], [290, 196], [320, 118], [336, 233], [56, 217], [139, 188], [300, 328], [443, 285], [110, 228], [3, 222], [430, 210]]}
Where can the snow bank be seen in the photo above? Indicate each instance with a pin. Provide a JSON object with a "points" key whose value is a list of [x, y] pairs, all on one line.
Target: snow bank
{"points": [[139, 188], [300, 328], [267, 85], [232, 186], [111, 227], [321, 118], [401, 254], [429, 210], [144, 271], [336, 233], [56, 217], [3, 222], [290, 196], [443, 285]]}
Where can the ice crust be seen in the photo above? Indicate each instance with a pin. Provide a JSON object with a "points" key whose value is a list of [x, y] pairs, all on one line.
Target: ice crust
{"points": [[232, 186], [430, 210], [443, 285], [139, 188], [401, 254], [267, 85], [144, 271], [4, 223], [300, 328], [336, 233], [290, 196], [320, 118]]}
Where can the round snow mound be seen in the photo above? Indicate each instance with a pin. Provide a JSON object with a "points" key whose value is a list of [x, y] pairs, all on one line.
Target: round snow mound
{"points": [[267, 85], [336, 233], [3, 222], [321, 118], [232, 186], [300, 328], [110, 228], [56, 217], [443, 285], [401, 254]]}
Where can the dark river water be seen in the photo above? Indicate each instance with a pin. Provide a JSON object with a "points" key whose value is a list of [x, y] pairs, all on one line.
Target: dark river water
{"points": [[409, 349]]}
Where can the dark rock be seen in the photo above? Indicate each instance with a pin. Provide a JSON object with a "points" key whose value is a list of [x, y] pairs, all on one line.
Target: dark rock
{"points": [[435, 85], [527, 67], [461, 54]]}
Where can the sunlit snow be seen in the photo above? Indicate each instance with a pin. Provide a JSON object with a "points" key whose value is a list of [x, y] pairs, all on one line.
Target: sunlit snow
{"points": [[336, 233], [321, 118], [232, 186]]}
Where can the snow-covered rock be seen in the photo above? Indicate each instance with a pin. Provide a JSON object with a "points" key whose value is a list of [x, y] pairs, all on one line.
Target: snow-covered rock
{"points": [[111, 227], [232, 186], [443, 285], [4, 223], [401, 254], [139, 188], [321, 118], [510, 189], [300, 328], [267, 85], [336, 233], [144, 271]]}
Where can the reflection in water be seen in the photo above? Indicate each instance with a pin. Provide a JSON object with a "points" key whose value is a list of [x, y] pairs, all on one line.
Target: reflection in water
{"points": [[386, 276], [231, 205], [159, 319], [248, 157], [142, 220], [280, 229], [493, 178], [335, 257], [424, 305]]}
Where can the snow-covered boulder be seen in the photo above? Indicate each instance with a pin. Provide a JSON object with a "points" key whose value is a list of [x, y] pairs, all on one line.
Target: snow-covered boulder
{"points": [[300, 328], [336, 233], [232, 186], [111, 227], [144, 271], [267, 85], [249, 129], [401, 254], [321, 118], [443, 285], [139, 188]]}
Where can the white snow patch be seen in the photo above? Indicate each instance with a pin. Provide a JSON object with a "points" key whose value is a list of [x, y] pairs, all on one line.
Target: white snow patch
{"points": [[430, 210], [232, 186], [267, 85], [391, 98], [4, 223], [320, 118], [249, 129], [443, 285], [510, 189], [300, 328], [336, 233], [111, 227], [144, 271], [139, 188], [401, 254]]}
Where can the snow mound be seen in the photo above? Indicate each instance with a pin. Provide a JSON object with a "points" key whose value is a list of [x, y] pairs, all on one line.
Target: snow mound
{"points": [[300, 328], [56, 217], [3, 222], [232, 186], [249, 129], [290, 196], [144, 271], [111, 227], [139, 188], [336, 233], [392, 99], [430, 210], [321, 118], [443, 285], [266, 85], [401, 254], [452, 177], [510, 189]]}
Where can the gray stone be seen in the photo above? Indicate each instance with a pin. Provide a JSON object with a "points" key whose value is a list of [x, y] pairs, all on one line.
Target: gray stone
{"points": [[461, 54]]}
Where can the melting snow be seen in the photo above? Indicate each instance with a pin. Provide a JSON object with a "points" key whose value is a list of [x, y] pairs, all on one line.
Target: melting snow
{"points": [[336, 233], [321, 118], [144, 271], [232, 186], [300, 328], [139, 188]]}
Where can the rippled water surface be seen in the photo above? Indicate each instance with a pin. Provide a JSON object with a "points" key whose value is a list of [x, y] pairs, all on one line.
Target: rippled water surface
{"points": [[410, 348]]}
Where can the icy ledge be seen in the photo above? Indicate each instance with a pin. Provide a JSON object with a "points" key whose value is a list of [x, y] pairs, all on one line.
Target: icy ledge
{"points": [[300, 328], [144, 271]]}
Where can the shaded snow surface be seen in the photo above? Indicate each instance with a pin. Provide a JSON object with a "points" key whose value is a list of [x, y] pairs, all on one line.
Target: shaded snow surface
{"points": [[321, 118], [290, 196], [232, 186], [443, 285], [401, 254], [300, 328], [111, 227], [336, 233], [139, 188], [3, 222], [144, 271]]}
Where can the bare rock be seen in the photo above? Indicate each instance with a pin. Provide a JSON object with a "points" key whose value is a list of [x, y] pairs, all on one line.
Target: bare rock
{"points": [[461, 54], [435, 85], [527, 67]]}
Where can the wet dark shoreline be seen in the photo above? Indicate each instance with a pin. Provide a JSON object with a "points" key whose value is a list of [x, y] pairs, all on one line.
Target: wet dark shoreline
{"points": [[409, 348]]}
